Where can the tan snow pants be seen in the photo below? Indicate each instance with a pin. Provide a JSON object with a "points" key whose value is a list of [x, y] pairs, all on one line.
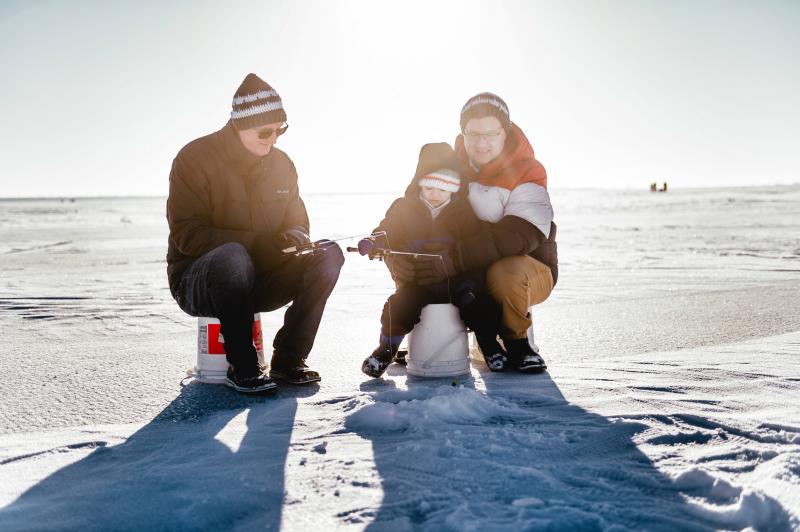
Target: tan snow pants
{"points": [[518, 283]]}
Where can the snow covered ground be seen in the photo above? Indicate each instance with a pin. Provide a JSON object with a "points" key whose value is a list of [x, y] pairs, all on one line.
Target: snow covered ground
{"points": [[696, 439], [670, 403]]}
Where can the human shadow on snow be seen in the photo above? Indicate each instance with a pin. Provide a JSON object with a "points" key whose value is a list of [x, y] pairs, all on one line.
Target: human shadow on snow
{"points": [[529, 461], [174, 473]]}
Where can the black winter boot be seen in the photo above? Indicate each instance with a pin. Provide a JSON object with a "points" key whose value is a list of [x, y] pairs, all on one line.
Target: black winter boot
{"points": [[400, 357], [493, 354], [375, 364], [253, 382], [292, 370], [523, 357]]}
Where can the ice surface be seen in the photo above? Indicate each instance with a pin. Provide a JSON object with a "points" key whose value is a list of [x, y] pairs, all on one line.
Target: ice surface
{"points": [[600, 449], [673, 341]]}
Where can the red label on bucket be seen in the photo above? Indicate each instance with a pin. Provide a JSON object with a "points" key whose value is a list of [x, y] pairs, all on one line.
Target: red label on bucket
{"points": [[215, 347], [258, 339]]}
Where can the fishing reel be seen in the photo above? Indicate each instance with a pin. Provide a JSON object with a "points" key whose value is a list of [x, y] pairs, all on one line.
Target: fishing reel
{"points": [[372, 246], [377, 253], [369, 247]]}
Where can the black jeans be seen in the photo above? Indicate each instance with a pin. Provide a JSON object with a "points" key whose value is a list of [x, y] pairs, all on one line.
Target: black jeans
{"points": [[466, 291], [223, 284]]}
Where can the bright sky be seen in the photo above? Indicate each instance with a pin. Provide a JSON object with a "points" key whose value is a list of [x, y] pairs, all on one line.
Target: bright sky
{"points": [[97, 97]]}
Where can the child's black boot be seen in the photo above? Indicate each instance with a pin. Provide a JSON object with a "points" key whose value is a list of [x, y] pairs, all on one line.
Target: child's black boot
{"points": [[375, 364]]}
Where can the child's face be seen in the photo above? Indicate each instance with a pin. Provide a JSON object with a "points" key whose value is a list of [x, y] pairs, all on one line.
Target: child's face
{"points": [[435, 196]]}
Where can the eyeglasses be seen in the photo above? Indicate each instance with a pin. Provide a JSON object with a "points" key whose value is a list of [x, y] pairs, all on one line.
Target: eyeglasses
{"points": [[490, 136], [267, 132]]}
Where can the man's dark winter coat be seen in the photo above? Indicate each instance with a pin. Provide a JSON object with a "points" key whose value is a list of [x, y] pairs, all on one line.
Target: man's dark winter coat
{"points": [[219, 192]]}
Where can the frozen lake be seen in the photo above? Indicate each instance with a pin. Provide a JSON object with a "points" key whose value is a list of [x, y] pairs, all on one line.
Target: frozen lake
{"points": [[673, 341]]}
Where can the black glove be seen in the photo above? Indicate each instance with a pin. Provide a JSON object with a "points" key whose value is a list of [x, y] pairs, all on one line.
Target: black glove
{"points": [[431, 270], [293, 238], [401, 267]]}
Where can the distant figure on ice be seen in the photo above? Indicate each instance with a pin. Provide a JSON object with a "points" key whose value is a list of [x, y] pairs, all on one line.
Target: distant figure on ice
{"points": [[233, 206], [507, 189], [431, 216]]}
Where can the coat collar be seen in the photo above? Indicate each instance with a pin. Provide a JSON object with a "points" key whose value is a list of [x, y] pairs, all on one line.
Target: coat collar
{"points": [[515, 165], [235, 151]]}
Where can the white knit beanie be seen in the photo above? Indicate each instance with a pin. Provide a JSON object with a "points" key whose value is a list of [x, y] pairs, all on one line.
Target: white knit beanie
{"points": [[443, 179]]}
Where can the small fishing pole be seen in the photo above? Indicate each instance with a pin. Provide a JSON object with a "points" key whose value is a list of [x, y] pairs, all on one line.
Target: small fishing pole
{"points": [[323, 244], [382, 253], [307, 249]]}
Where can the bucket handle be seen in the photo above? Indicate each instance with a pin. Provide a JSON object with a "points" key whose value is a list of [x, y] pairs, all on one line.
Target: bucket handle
{"points": [[455, 336]]}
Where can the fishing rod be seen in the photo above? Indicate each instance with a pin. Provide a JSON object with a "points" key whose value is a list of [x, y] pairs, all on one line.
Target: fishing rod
{"points": [[309, 248], [381, 253], [323, 244]]}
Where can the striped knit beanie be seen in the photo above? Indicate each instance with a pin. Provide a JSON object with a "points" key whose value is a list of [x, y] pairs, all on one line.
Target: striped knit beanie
{"points": [[443, 179], [438, 167], [256, 104], [483, 105]]}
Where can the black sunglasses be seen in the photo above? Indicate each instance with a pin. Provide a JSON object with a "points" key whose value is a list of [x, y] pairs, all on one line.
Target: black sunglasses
{"points": [[267, 133]]}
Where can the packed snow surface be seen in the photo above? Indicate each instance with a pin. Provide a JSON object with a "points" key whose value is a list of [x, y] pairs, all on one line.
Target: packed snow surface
{"points": [[673, 341]]}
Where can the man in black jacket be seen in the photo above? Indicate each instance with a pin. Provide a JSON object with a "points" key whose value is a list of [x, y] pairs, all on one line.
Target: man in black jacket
{"points": [[233, 207]]}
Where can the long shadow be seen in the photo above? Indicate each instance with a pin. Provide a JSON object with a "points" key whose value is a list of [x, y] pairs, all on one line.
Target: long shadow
{"points": [[517, 457], [175, 473]]}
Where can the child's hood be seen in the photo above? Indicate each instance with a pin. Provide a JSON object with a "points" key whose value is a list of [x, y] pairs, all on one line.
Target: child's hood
{"points": [[433, 157]]}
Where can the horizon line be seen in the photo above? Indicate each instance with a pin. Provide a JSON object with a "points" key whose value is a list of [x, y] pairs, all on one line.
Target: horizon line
{"points": [[377, 192]]}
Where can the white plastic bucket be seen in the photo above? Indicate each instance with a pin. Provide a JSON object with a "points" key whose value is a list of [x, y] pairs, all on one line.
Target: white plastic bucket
{"points": [[212, 366], [438, 345]]}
